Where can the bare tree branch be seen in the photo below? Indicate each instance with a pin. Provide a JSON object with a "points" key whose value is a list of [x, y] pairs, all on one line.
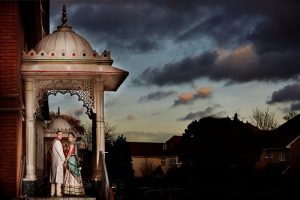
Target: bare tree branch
{"points": [[263, 119]]}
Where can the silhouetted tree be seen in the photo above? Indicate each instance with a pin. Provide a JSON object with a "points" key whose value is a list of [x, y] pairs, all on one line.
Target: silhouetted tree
{"points": [[263, 119], [214, 147], [120, 169], [120, 161], [109, 132], [289, 115], [147, 168], [236, 117]]}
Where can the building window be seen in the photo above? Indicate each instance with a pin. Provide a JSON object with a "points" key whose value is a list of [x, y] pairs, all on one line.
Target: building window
{"points": [[164, 146], [173, 160], [163, 161], [271, 155], [282, 156]]}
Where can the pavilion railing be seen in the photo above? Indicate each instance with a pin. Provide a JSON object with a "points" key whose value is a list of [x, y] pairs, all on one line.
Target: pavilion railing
{"points": [[105, 187]]}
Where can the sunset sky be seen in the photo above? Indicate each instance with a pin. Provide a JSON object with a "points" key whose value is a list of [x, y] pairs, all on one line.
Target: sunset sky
{"points": [[188, 59]]}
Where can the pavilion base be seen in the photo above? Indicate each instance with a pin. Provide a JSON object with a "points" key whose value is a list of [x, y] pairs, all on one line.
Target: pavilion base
{"points": [[29, 187], [96, 188]]}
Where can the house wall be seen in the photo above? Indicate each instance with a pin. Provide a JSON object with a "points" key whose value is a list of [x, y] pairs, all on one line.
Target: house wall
{"points": [[271, 156], [137, 162], [278, 155], [263, 161], [275, 157], [11, 143], [295, 148]]}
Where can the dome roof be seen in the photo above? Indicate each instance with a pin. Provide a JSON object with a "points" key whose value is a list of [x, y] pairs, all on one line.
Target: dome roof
{"points": [[64, 42], [64, 45], [60, 124]]}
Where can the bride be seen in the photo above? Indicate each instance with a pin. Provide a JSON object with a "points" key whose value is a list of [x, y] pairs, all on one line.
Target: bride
{"points": [[72, 181]]}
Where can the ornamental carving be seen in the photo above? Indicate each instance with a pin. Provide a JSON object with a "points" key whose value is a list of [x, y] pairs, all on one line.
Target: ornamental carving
{"points": [[84, 89]]}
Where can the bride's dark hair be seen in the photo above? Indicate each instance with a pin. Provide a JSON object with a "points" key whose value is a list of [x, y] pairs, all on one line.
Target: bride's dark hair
{"points": [[71, 133]]}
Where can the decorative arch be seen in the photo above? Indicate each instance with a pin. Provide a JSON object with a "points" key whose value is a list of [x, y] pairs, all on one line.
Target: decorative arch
{"points": [[84, 89]]}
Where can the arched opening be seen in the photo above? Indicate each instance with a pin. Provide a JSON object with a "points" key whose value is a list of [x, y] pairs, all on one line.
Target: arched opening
{"points": [[67, 113]]}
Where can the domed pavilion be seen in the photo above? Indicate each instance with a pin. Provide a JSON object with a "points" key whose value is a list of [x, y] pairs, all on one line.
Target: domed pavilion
{"points": [[65, 62]]}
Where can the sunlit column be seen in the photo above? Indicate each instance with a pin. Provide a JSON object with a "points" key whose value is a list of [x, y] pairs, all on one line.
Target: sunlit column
{"points": [[30, 132], [100, 140]]}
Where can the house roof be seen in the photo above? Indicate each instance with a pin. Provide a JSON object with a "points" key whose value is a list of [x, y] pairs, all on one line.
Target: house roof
{"points": [[146, 149], [155, 149], [173, 145], [284, 134]]}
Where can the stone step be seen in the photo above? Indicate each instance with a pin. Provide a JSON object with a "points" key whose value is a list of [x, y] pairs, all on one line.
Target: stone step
{"points": [[62, 198]]}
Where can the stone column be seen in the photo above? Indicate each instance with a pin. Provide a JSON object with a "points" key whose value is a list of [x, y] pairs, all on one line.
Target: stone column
{"points": [[30, 176], [100, 138]]}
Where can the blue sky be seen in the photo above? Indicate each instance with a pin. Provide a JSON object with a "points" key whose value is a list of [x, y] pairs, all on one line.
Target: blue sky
{"points": [[189, 59]]}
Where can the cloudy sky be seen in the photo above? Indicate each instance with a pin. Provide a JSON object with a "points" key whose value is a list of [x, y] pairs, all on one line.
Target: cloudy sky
{"points": [[188, 59]]}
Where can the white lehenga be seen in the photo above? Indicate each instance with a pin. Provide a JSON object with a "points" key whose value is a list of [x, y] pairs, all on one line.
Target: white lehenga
{"points": [[73, 185], [73, 182]]}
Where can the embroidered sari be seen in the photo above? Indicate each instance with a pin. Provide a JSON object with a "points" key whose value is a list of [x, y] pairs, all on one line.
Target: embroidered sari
{"points": [[73, 181]]}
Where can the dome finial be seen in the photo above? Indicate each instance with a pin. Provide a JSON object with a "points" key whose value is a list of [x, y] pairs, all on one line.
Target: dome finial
{"points": [[64, 26], [64, 18]]}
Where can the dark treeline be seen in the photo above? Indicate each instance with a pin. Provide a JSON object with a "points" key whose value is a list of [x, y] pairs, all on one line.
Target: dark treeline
{"points": [[218, 150]]}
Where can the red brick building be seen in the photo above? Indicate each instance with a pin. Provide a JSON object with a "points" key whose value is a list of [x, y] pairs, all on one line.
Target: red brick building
{"points": [[150, 157], [22, 25]]}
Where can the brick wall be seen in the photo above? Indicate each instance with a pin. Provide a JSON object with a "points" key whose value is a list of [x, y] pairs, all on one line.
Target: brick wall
{"points": [[11, 143]]}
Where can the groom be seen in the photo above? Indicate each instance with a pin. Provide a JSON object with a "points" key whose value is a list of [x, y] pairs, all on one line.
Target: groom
{"points": [[57, 161]]}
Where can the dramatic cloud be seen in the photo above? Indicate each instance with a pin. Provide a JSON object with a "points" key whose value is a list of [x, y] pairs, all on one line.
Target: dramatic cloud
{"points": [[127, 118], [203, 92], [287, 94], [112, 102], [295, 106], [130, 118], [155, 113], [280, 29], [261, 36], [183, 71], [122, 24], [79, 112], [189, 97], [177, 42], [155, 96], [184, 98], [209, 111], [239, 65]]}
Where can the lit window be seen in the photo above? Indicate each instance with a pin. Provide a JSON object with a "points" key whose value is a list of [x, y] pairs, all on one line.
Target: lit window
{"points": [[163, 161], [282, 156], [271, 155], [173, 160], [164, 146]]}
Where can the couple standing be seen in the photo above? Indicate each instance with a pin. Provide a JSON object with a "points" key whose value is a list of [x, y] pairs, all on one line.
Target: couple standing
{"points": [[64, 170]]}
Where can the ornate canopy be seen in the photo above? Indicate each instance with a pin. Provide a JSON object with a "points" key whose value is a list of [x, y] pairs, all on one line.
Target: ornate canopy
{"points": [[65, 62]]}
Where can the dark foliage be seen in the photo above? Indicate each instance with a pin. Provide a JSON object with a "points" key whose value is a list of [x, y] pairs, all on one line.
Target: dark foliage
{"points": [[120, 169], [216, 148], [119, 160]]}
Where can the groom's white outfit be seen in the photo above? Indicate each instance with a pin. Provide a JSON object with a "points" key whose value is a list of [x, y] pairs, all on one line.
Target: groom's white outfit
{"points": [[57, 161]]}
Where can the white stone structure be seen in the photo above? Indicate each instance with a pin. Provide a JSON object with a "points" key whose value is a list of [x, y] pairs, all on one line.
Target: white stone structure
{"points": [[64, 62]]}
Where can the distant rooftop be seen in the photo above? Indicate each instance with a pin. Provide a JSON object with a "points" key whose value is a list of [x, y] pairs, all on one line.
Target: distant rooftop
{"points": [[155, 149]]}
